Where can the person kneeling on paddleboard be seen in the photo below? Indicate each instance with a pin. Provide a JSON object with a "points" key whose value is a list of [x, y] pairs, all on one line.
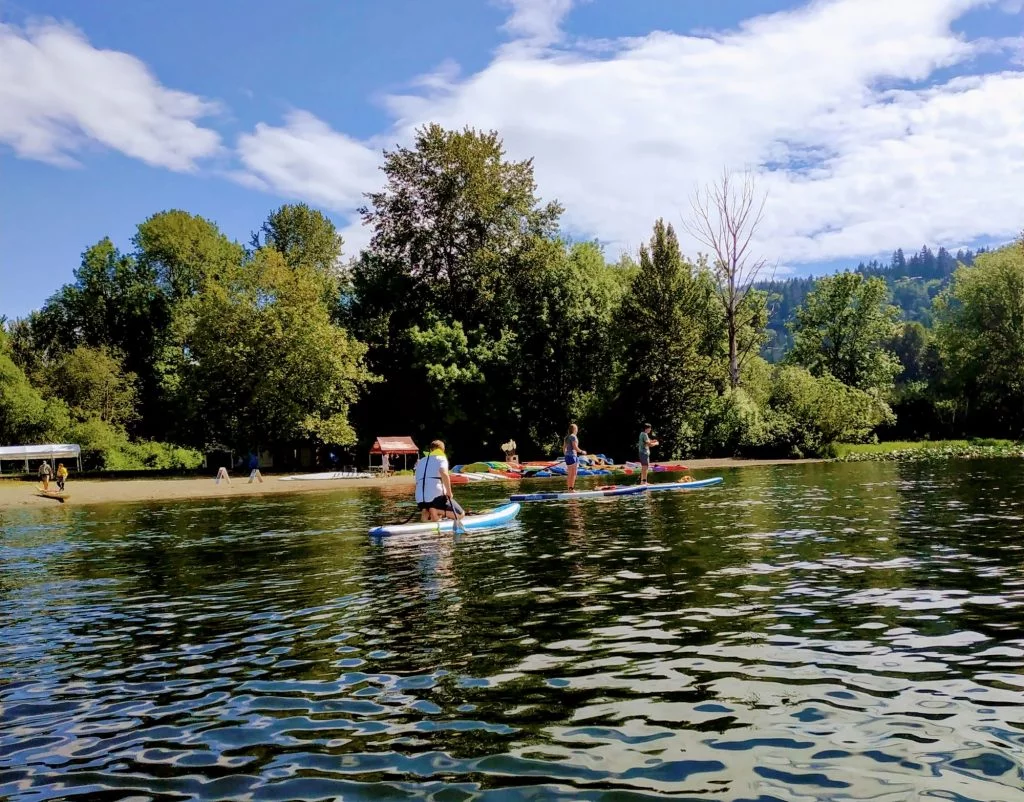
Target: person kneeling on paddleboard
{"points": [[434, 486]]}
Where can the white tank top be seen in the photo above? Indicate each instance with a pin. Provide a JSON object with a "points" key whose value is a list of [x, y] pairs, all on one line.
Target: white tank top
{"points": [[428, 478]]}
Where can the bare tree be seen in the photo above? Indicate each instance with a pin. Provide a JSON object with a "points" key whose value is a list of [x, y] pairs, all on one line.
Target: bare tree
{"points": [[725, 216]]}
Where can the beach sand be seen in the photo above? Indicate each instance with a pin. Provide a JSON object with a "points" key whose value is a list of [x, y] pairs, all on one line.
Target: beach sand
{"points": [[15, 493]]}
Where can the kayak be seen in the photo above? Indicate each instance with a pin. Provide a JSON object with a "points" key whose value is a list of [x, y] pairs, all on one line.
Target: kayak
{"points": [[618, 490], [484, 520]]}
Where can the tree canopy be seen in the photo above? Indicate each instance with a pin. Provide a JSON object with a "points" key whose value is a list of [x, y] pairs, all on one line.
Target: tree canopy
{"points": [[473, 316]]}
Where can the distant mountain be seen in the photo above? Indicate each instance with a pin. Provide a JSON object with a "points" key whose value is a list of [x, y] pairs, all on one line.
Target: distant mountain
{"points": [[913, 284]]}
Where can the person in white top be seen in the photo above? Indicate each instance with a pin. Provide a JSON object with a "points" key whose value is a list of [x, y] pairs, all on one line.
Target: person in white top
{"points": [[434, 486]]}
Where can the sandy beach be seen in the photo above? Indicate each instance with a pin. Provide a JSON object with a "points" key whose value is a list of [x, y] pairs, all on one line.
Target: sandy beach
{"points": [[15, 493]]}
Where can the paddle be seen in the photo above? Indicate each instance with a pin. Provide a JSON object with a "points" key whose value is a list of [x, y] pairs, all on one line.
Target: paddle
{"points": [[457, 526]]}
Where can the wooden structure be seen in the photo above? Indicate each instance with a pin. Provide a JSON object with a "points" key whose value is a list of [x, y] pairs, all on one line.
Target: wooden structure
{"points": [[393, 446]]}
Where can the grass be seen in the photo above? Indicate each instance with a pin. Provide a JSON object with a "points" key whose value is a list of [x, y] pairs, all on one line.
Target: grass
{"points": [[928, 449]]}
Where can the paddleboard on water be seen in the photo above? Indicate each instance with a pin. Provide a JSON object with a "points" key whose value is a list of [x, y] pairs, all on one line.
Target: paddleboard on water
{"points": [[615, 490], [484, 520]]}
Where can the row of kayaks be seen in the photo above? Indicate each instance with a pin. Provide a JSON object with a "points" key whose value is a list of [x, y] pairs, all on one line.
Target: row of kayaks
{"points": [[507, 512]]}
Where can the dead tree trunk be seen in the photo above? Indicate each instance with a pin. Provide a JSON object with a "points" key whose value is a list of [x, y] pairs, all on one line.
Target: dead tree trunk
{"points": [[725, 216]]}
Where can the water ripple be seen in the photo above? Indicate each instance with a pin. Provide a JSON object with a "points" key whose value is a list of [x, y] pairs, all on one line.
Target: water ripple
{"points": [[825, 632]]}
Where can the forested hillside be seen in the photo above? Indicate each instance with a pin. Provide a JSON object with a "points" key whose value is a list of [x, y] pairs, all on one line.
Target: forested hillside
{"points": [[913, 284]]}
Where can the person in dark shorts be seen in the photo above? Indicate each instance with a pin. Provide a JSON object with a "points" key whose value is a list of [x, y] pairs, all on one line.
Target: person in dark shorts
{"points": [[645, 445], [434, 486]]}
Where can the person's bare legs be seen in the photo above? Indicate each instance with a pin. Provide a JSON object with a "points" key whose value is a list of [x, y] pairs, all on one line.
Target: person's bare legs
{"points": [[570, 471], [644, 467]]}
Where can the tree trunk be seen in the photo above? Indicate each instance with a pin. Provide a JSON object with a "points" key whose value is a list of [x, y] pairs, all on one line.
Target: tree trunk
{"points": [[734, 360]]}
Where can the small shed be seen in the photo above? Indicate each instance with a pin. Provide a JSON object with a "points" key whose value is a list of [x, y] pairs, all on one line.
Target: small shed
{"points": [[50, 452], [394, 445]]}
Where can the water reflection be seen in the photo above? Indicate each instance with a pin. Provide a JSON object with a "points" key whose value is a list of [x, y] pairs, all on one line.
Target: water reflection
{"points": [[812, 632]]}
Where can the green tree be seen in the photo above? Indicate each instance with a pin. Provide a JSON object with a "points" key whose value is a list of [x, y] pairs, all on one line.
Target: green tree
{"points": [[811, 413], [981, 334], [565, 342], [93, 383], [458, 237], [672, 348], [259, 361], [308, 240], [453, 219], [843, 329], [25, 415], [304, 236], [184, 251]]}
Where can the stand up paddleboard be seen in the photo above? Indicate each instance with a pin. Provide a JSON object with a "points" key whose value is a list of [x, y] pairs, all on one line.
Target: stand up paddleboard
{"points": [[485, 520], [616, 490]]}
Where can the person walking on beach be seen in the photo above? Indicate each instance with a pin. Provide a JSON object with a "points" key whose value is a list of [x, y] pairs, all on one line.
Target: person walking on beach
{"points": [[572, 450], [254, 469], [62, 476], [434, 486], [645, 445], [44, 476]]}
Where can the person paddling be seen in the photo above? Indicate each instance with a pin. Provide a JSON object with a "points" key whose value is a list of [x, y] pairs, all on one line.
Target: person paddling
{"points": [[434, 486], [572, 450], [645, 445]]}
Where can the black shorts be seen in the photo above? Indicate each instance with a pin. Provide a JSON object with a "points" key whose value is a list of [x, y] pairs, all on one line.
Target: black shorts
{"points": [[439, 503]]}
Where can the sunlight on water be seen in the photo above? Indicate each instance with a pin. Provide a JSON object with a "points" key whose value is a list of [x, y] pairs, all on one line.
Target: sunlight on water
{"points": [[815, 632]]}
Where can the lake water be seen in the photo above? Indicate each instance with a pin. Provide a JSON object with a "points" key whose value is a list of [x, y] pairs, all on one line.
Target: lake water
{"points": [[812, 632]]}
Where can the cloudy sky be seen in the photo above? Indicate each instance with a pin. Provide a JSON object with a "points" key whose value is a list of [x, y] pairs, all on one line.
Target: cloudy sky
{"points": [[874, 124]]}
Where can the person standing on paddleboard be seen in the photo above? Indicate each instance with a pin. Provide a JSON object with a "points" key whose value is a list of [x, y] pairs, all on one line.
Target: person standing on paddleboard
{"points": [[434, 486], [645, 445], [572, 450]]}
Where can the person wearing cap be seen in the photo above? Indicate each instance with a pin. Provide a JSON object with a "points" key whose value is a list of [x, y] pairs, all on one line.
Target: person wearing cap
{"points": [[645, 445], [434, 486]]}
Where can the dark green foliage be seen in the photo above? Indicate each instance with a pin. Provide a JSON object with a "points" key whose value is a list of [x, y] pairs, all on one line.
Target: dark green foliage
{"points": [[483, 323]]}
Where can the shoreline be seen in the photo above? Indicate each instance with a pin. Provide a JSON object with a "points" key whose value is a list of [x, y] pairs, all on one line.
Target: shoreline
{"points": [[16, 493]]}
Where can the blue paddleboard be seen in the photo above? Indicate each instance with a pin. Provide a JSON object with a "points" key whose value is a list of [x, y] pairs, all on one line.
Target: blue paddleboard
{"points": [[623, 490]]}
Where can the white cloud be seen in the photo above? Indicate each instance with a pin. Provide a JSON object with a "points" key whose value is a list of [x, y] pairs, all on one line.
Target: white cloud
{"points": [[58, 93], [307, 159], [831, 102], [537, 21]]}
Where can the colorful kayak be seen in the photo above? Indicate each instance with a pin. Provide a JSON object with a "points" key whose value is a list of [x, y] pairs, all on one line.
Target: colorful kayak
{"points": [[618, 490], [484, 520]]}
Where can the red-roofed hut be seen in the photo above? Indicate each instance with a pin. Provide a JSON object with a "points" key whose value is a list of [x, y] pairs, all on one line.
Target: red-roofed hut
{"points": [[393, 445]]}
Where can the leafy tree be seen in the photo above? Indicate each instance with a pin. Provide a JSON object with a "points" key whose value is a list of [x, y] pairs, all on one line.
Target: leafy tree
{"points": [[981, 334], [844, 329], [458, 238], [671, 329], [184, 251], [259, 361], [308, 240], [94, 384], [452, 220], [25, 416], [564, 362], [304, 236], [813, 412]]}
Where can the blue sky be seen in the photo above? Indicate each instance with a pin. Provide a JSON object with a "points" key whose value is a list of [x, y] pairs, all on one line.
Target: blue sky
{"points": [[229, 108]]}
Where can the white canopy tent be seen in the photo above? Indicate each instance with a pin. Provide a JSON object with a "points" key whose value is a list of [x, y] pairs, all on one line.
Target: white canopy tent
{"points": [[50, 452]]}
